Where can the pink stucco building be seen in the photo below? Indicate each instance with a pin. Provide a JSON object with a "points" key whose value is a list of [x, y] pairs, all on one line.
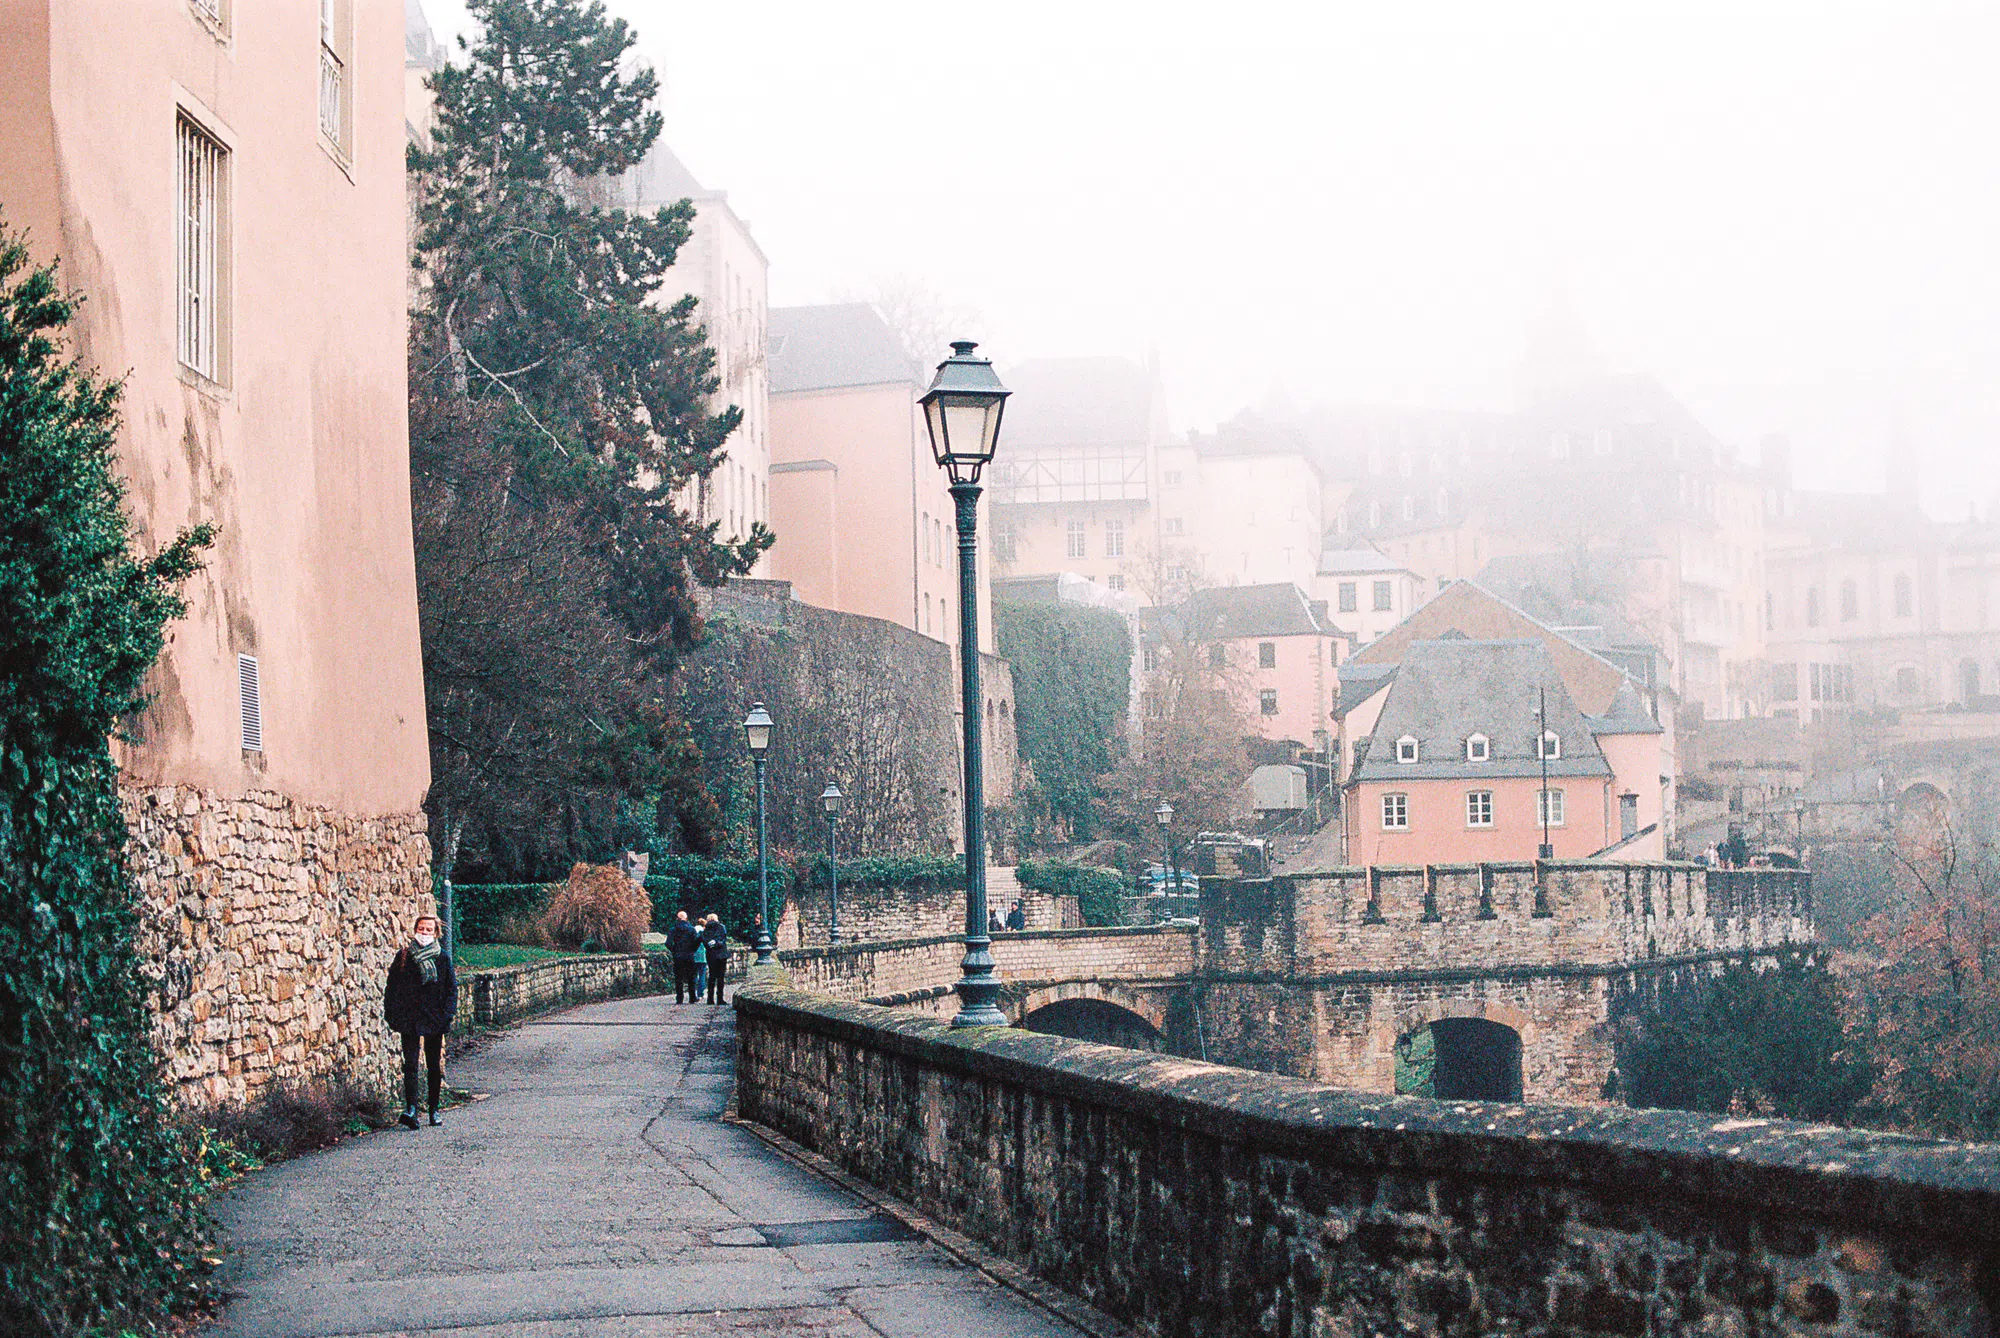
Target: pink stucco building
{"points": [[1270, 647], [224, 183]]}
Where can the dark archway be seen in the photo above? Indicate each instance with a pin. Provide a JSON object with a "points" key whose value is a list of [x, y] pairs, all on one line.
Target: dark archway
{"points": [[1094, 1020], [1477, 1060]]}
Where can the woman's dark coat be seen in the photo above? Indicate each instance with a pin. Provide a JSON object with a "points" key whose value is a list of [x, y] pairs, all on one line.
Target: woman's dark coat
{"points": [[415, 1008], [715, 942]]}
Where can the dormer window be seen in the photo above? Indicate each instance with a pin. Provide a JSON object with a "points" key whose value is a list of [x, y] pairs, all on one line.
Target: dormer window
{"points": [[1406, 749], [1549, 747], [1477, 748]]}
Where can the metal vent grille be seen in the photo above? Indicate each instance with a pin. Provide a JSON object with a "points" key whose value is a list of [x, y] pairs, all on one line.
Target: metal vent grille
{"points": [[253, 703]]}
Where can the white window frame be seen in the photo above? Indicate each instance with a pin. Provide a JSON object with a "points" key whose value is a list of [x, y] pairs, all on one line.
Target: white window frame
{"points": [[1267, 701], [1395, 812], [336, 78], [1114, 537], [1550, 808], [1478, 748], [201, 248], [1408, 750], [1548, 746], [1479, 808], [1076, 539]]}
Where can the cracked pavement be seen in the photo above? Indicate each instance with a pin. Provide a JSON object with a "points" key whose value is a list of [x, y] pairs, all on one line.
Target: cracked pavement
{"points": [[595, 1194]]}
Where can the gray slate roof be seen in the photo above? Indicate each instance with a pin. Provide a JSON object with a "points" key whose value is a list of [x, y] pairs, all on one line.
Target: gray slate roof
{"points": [[834, 347], [1230, 611], [1447, 690], [1628, 715]]}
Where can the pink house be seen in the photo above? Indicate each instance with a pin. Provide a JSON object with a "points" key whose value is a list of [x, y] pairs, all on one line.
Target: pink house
{"points": [[1475, 750], [1273, 651]]}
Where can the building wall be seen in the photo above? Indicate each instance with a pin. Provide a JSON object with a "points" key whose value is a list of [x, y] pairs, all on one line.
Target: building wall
{"points": [[274, 881], [1304, 679], [886, 542], [1438, 833], [1365, 622]]}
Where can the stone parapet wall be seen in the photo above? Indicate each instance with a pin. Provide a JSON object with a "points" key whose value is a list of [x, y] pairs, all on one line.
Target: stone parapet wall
{"points": [[1189, 1199], [871, 912], [266, 927], [507, 994], [1476, 916]]}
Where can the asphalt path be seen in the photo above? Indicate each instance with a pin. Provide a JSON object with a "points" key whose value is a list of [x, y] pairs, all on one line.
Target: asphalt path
{"points": [[595, 1193]]}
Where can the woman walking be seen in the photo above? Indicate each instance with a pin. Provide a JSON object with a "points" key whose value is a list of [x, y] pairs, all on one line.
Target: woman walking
{"points": [[421, 997], [715, 947]]}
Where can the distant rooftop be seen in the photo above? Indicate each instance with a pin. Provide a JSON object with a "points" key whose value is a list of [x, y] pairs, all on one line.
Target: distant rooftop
{"points": [[1445, 691], [1225, 613], [835, 347], [1342, 560]]}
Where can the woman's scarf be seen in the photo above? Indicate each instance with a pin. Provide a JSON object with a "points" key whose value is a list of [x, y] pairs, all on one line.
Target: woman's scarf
{"points": [[425, 955]]}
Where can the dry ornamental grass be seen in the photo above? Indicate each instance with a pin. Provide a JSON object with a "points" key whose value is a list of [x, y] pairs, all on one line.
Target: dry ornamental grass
{"points": [[598, 906]]}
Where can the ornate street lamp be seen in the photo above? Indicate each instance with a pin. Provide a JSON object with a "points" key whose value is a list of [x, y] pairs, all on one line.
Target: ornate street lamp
{"points": [[1164, 815], [962, 410], [829, 800], [757, 733]]}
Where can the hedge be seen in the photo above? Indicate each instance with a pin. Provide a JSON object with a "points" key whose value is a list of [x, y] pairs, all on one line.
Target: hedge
{"points": [[1097, 891]]}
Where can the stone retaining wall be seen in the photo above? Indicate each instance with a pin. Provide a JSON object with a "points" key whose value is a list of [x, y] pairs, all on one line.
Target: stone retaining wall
{"points": [[266, 927], [506, 994], [1189, 1199]]}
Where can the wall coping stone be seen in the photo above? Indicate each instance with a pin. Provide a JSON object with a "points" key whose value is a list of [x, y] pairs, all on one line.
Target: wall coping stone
{"points": [[1523, 971], [998, 936], [1927, 1187]]}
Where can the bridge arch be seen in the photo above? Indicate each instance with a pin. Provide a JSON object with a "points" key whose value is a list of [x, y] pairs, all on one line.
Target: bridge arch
{"points": [[1481, 1046], [1091, 1010]]}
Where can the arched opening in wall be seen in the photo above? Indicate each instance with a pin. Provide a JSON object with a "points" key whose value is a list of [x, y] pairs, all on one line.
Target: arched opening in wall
{"points": [[1460, 1059], [1094, 1020]]}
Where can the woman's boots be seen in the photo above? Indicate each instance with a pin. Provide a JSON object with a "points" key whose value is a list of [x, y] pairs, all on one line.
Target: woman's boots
{"points": [[409, 1120]]}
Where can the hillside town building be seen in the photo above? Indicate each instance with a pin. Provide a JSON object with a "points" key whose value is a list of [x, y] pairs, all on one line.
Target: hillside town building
{"points": [[225, 184]]}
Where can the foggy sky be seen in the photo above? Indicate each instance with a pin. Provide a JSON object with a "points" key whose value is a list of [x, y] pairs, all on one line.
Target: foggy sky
{"points": [[1789, 214]]}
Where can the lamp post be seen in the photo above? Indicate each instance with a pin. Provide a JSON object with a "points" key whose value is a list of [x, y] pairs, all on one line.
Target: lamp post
{"points": [[1547, 850], [829, 799], [757, 733], [1164, 815], [962, 411]]}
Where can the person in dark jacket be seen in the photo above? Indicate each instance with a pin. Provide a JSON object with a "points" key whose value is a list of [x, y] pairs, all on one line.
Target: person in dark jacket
{"points": [[1017, 919], [684, 942], [715, 944], [419, 1001]]}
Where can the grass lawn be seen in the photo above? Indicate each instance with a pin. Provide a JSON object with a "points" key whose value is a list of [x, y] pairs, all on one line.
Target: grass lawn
{"points": [[486, 956]]}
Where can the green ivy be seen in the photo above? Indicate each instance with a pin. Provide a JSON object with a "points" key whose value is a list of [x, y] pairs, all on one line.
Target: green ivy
{"points": [[945, 871], [101, 1223], [1072, 685], [1097, 891]]}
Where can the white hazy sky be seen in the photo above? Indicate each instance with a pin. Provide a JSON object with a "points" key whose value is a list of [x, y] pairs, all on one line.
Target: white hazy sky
{"points": [[1789, 213]]}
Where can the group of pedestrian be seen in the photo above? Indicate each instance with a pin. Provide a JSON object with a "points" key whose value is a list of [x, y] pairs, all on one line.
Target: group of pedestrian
{"points": [[700, 950], [1016, 918]]}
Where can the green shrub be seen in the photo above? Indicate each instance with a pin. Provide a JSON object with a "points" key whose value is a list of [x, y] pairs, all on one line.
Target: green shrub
{"points": [[101, 1223], [946, 871], [1097, 891], [483, 909], [697, 884]]}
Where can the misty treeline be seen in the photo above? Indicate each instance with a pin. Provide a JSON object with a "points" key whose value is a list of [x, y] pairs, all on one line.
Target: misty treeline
{"points": [[560, 427]]}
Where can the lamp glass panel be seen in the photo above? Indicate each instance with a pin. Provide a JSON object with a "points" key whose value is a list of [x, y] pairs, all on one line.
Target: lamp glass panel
{"points": [[760, 737], [934, 420], [965, 425]]}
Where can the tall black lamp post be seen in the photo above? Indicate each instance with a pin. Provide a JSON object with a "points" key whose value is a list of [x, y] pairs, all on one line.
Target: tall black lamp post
{"points": [[1547, 849], [1164, 815], [962, 411], [757, 733], [829, 800]]}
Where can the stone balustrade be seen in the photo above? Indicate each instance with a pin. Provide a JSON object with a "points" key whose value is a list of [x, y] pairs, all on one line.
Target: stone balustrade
{"points": [[1190, 1199]]}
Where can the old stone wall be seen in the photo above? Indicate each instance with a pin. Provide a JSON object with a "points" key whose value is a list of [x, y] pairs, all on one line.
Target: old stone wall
{"points": [[1411, 918], [1189, 1199], [266, 927], [507, 994], [870, 911]]}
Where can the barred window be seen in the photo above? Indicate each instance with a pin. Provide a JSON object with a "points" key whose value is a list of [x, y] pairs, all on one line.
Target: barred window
{"points": [[201, 171], [251, 700], [334, 22]]}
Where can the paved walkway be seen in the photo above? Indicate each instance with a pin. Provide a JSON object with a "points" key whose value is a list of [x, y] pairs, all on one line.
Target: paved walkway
{"points": [[594, 1195]]}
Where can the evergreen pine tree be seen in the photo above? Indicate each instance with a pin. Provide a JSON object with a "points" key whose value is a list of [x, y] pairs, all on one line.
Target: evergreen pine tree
{"points": [[100, 1226], [540, 321]]}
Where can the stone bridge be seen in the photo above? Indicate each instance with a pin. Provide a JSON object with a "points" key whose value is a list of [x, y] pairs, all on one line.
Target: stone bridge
{"points": [[1517, 972]]}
